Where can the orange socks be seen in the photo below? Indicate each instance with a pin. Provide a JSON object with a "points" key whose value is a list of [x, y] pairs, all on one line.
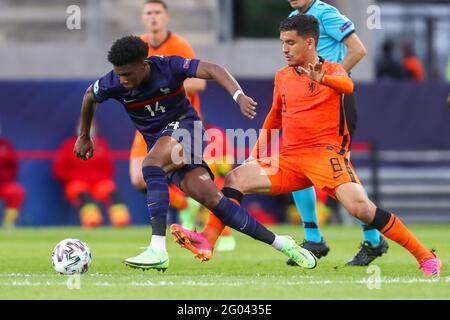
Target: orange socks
{"points": [[213, 229], [391, 226], [226, 232], [397, 231]]}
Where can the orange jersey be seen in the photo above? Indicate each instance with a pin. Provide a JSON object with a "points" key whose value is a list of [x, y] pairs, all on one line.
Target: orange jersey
{"points": [[311, 114], [175, 45]]}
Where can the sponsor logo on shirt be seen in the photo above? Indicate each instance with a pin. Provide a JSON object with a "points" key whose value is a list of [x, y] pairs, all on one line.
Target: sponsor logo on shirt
{"points": [[345, 26], [186, 64]]}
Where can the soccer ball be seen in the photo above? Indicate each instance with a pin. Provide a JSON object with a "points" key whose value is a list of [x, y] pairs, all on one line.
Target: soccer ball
{"points": [[71, 256]]}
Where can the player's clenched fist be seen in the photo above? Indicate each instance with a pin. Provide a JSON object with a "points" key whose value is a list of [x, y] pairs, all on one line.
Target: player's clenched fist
{"points": [[247, 106], [84, 148]]}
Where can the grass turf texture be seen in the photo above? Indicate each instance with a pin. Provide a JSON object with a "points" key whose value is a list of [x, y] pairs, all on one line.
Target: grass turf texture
{"points": [[252, 271]]}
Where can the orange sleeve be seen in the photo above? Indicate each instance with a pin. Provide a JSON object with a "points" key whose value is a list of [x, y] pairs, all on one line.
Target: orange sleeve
{"points": [[338, 79], [273, 121], [139, 147]]}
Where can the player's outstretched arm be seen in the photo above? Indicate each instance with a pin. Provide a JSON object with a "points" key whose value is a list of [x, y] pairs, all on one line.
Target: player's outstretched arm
{"points": [[211, 71], [84, 147], [337, 80]]}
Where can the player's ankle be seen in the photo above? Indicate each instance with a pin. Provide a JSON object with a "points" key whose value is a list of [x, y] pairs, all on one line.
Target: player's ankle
{"points": [[212, 238]]}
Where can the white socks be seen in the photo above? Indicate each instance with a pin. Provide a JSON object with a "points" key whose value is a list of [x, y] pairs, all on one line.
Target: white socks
{"points": [[158, 242], [279, 242]]}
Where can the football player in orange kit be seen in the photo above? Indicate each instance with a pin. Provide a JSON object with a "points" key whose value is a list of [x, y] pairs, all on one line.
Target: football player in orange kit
{"points": [[307, 106]]}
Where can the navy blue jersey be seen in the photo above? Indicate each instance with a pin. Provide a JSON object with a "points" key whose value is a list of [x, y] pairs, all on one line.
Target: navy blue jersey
{"points": [[158, 102]]}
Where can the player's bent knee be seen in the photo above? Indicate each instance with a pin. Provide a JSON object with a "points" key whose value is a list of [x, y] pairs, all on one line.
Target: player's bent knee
{"points": [[234, 180], [151, 161], [361, 210], [161, 162]]}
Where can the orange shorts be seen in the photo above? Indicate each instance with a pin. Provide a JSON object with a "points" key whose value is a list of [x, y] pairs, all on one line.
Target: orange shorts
{"points": [[322, 167]]}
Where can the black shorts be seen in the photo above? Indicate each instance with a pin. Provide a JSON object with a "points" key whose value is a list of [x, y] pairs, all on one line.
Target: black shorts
{"points": [[351, 115]]}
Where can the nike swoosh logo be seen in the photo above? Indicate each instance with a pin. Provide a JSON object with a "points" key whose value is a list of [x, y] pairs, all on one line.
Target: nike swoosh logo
{"points": [[129, 101], [335, 177], [149, 205], [245, 224]]}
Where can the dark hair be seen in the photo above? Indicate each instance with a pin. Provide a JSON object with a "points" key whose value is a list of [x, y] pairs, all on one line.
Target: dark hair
{"points": [[305, 25], [127, 50], [161, 2]]}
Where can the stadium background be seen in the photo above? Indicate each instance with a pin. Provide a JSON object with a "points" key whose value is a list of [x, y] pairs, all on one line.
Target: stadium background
{"points": [[46, 67]]}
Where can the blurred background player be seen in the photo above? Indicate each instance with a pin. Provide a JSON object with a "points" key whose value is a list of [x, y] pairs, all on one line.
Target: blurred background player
{"points": [[88, 182], [411, 62], [387, 66], [161, 41], [11, 192], [338, 42]]}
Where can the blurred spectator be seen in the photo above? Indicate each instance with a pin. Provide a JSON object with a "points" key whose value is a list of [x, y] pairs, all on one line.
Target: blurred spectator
{"points": [[388, 66], [11, 193], [448, 100], [85, 181], [411, 62]]}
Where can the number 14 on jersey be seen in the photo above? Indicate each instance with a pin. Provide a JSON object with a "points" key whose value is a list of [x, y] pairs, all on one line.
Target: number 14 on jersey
{"points": [[156, 109]]}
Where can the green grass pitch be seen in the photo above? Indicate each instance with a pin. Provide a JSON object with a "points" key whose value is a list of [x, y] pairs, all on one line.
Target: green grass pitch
{"points": [[253, 271]]}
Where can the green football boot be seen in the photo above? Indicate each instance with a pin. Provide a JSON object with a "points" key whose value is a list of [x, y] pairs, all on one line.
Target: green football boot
{"points": [[301, 256], [149, 259]]}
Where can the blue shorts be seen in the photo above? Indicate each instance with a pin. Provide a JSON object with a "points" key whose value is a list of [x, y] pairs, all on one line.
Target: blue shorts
{"points": [[188, 130]]}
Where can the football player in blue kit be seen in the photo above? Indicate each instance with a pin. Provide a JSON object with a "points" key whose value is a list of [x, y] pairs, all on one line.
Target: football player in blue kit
{"points": [[151, 91]]}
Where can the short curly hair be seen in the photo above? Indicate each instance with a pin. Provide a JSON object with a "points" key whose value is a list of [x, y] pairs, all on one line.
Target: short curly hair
{"points": [[305, 25], [126, 50]]}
